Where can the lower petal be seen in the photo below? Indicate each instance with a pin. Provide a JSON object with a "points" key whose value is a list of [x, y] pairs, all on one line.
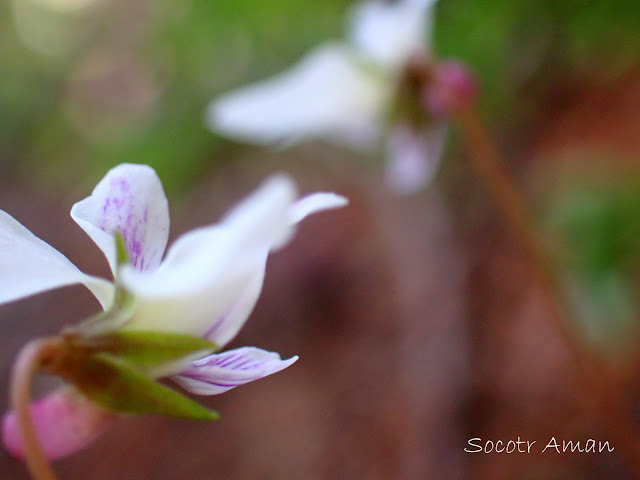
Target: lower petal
{"points": [[223, 371]]}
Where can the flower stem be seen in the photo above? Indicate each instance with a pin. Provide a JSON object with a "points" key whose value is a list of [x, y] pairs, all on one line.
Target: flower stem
{"points": [[613, 401], [29, 359]]}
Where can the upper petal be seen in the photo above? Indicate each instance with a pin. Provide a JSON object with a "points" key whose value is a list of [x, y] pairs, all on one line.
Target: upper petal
{"points": [[223, 371], [262, 219], [413, 156], [29, 265], [390, 32], [325, 95], [129, 199]]}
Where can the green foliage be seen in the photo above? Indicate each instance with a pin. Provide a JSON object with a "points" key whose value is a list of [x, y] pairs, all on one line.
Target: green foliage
{"points": [[132, 85], [512, 44], [598, 228]]}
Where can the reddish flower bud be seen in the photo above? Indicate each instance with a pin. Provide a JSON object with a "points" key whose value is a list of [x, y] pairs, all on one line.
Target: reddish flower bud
{"points": [[452, 88]]}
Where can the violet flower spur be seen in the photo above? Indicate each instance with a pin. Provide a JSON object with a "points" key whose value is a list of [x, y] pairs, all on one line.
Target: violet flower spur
{"points": [[206, 286], [353, 93]]}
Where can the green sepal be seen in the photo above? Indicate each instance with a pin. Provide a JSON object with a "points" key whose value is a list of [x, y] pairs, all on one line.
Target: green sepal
{"points": [[122, 254], [117, 386], [145, 349], [109, 321], [122, 307]]}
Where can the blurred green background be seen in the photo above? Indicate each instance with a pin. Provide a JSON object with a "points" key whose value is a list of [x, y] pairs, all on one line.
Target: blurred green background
{"points": [[87, 84]]}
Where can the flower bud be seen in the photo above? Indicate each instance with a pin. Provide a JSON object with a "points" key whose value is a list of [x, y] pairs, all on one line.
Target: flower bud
{"points": [[64, 422], [451, 89]]}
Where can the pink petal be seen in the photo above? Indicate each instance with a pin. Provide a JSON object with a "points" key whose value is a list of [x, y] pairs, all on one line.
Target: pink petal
{"points": [[65, 423]]}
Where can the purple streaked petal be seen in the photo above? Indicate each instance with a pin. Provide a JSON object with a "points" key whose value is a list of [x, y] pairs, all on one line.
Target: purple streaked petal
{"points": [[129, 199], [29, 266], [65, 423], [220, 372]]}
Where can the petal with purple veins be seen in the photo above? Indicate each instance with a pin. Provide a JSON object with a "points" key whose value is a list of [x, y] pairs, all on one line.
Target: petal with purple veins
{"points": [[223, 371], [129, 199]]}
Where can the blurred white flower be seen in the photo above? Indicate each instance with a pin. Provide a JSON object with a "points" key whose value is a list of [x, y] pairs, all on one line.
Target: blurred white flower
{"points": [[343, 92]]}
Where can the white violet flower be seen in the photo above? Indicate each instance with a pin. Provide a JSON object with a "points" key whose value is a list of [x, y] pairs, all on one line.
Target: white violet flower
{"points": [[344, 92], [206, 285]]}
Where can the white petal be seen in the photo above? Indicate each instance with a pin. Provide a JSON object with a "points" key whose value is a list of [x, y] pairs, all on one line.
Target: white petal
{"points": [[314, 203], [326, 95], [212, 276], [221, 372], [245, 235], [390, 32], [413, 157], [228, 325], [212, 303], [29, 265], [263, 217], [129, 199]]}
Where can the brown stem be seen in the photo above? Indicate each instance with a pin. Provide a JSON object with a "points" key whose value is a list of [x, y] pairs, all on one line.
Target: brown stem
{"points": [[613, 401], [28, 361]]}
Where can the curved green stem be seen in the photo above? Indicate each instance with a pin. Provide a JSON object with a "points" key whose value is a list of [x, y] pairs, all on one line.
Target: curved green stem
{"points": [[29, 359]]}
